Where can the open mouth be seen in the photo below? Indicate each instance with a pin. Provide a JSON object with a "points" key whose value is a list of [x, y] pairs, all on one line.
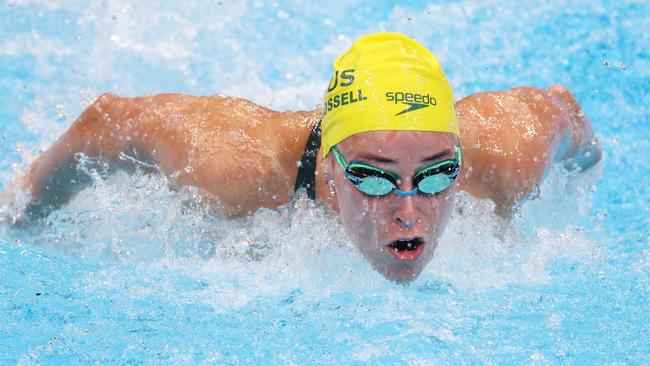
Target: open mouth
{"points": [[406, 250]]}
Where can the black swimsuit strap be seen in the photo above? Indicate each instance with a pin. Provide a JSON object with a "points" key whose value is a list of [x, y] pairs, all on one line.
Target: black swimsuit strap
{"points": [[307, 169]]}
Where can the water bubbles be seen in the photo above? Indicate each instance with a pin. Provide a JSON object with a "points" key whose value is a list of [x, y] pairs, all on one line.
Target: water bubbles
{"points": [[60, 110], [235, 136], [241, 247], [537, 356], [282, 15], [331, 188]]}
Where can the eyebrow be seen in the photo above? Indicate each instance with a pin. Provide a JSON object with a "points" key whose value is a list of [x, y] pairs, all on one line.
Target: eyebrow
{"points": [[382, 159], [376, 158], [436, 156]]}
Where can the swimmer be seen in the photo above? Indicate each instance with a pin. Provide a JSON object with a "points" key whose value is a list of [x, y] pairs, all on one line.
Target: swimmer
{"points": [[387, 151]]}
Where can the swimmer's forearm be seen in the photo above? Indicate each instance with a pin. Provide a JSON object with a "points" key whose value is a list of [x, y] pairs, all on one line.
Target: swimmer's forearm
{"points": [[580, 148], [54, 176]]}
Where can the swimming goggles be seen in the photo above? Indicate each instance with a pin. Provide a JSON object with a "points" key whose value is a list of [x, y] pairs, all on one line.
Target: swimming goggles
{"points": [[375, 181]]}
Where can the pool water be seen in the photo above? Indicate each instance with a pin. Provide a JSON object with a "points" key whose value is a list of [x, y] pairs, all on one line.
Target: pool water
{"points": [[131, 272]]}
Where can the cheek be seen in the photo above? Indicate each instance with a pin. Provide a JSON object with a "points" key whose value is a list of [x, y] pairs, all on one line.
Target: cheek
{"points": [[362, 216], [440, 207]]}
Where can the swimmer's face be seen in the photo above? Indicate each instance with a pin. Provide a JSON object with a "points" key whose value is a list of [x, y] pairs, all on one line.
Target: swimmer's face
{"points": [[396, 234]]}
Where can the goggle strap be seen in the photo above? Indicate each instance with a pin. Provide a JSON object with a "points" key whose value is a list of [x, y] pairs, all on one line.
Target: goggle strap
{"points": [[339, 158]]}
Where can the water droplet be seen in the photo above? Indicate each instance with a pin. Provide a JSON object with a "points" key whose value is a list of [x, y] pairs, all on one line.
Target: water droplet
{"points": [[235, 136], [282, 14]]}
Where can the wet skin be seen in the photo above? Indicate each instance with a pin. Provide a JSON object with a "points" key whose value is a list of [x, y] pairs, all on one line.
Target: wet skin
{"points": [[242, 156], [376, 222]]}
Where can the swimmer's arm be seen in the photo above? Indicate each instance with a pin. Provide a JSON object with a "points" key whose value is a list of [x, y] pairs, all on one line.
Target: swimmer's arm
{"points": [[53, 178], [193, 141], [511, 138]]}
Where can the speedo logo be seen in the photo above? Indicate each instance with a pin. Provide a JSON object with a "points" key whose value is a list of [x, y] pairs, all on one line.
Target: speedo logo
{"points": [[414, 101]]}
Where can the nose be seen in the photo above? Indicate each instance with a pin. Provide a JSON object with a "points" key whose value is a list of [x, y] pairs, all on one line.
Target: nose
{"points": [[406, 214]]}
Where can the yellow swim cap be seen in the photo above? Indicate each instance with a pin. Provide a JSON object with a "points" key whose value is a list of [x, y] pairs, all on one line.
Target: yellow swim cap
{"points": [[386, 81]]}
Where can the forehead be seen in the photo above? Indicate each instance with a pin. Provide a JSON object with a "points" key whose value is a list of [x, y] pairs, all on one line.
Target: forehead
{"points": [[399, 145]]}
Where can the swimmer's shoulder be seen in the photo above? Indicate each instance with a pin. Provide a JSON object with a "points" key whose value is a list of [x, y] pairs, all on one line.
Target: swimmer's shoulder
{"points": [[213, 118], [218, 108]]}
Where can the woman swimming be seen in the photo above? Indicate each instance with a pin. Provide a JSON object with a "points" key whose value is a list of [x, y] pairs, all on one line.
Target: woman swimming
{"points": [[390, 151]]}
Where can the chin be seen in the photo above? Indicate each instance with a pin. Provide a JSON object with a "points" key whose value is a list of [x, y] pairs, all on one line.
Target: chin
{"points": [[405, 272], [402, 274]]}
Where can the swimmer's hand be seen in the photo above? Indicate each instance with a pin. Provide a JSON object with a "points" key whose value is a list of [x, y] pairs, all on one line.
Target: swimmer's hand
{"points": [[511, 138]]}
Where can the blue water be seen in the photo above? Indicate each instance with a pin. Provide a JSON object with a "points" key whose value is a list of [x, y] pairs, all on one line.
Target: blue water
{"points": [[133, 273]]}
